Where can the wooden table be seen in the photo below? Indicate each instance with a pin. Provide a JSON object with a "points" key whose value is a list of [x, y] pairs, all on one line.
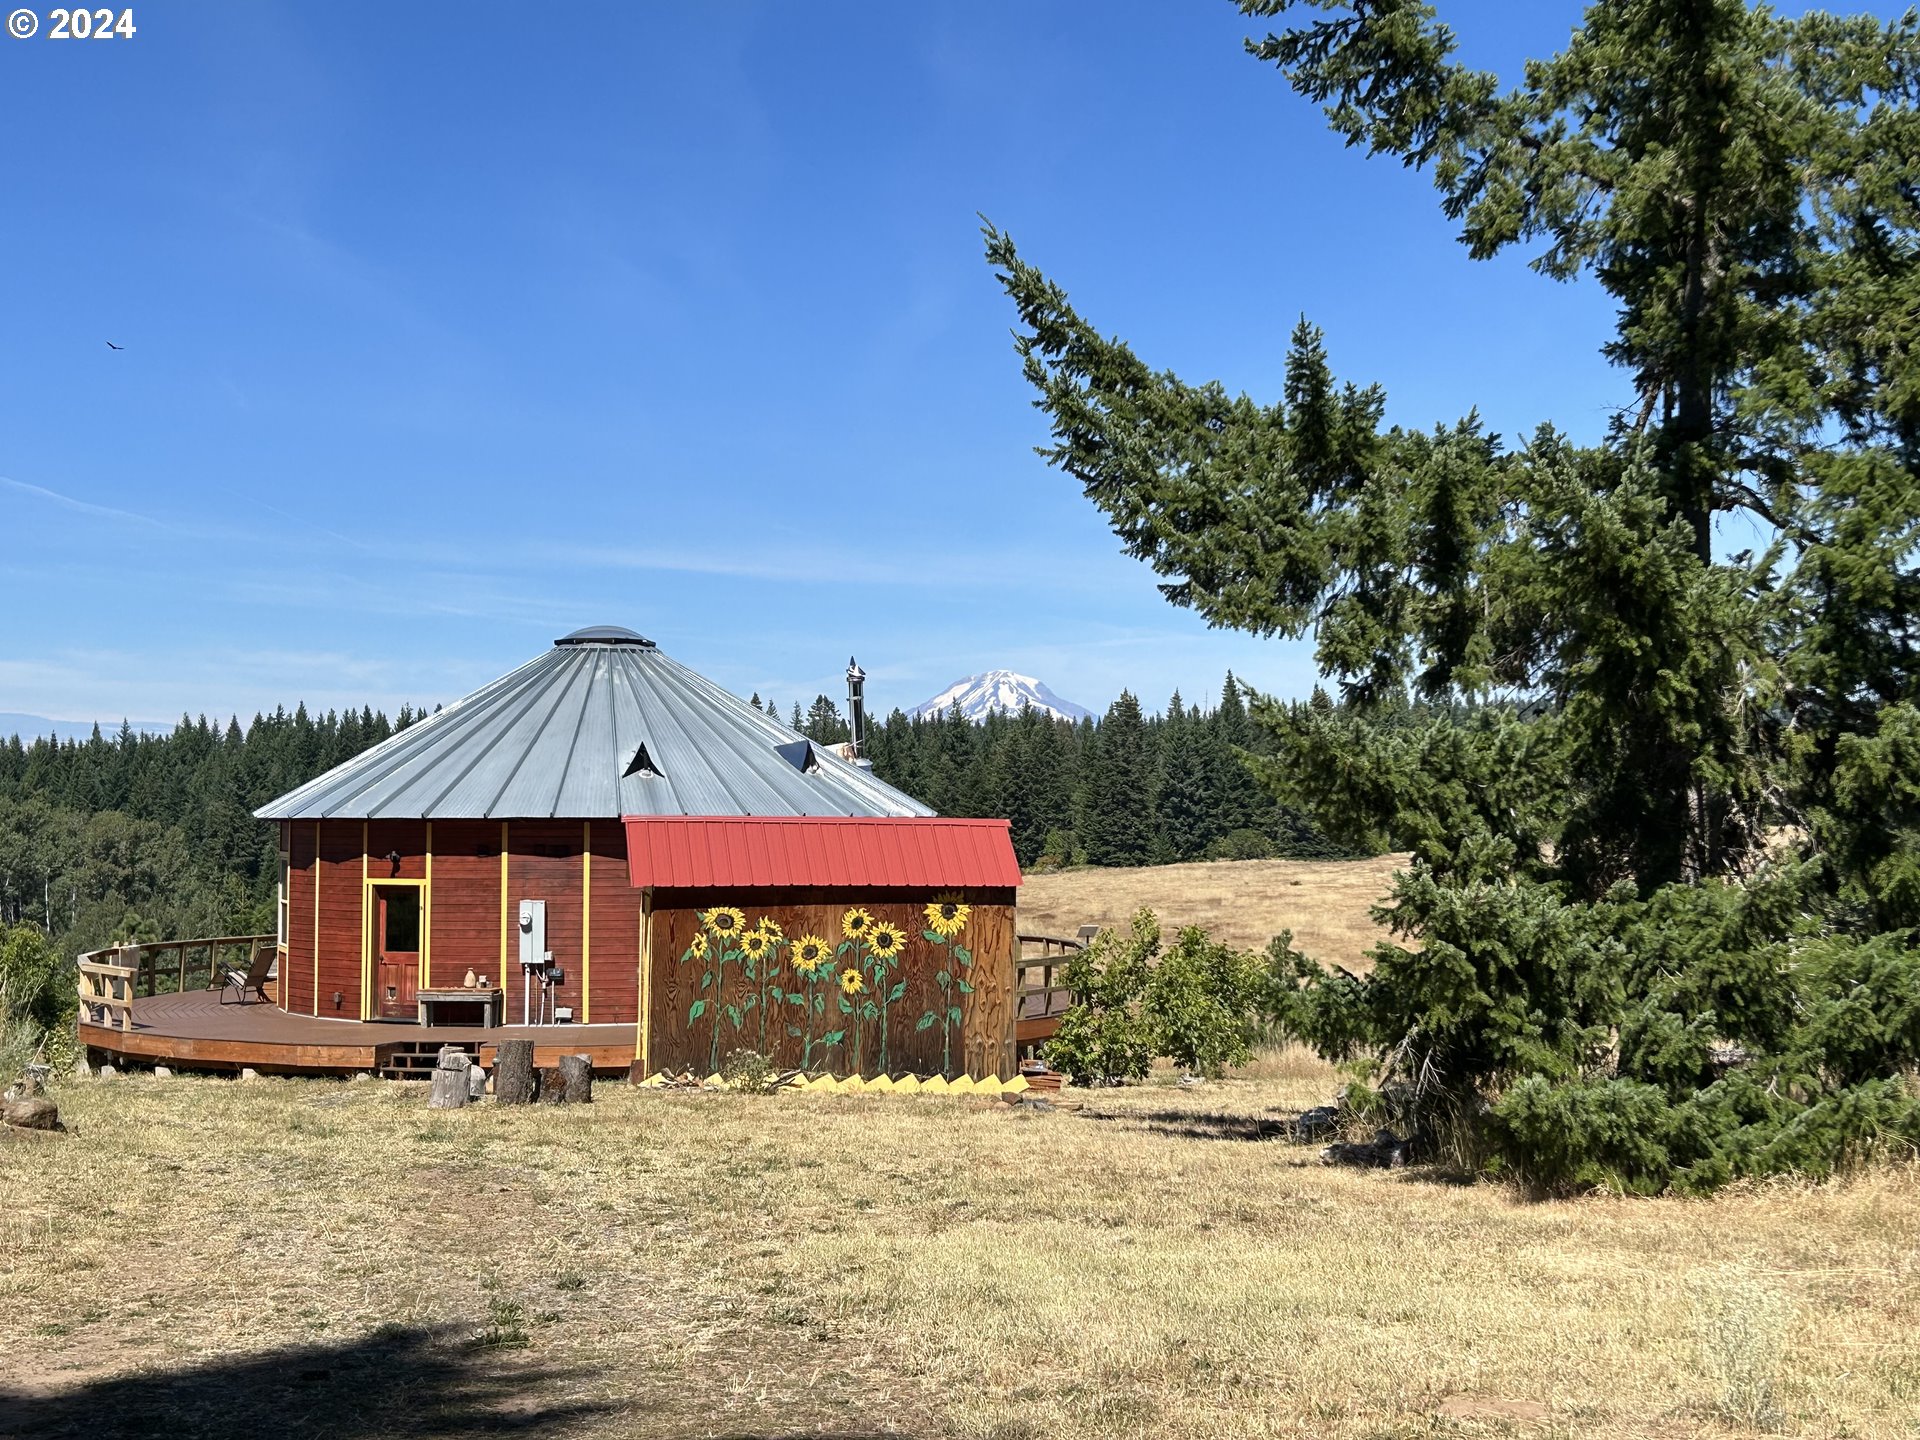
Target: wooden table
{"points": [[486, 1002]]}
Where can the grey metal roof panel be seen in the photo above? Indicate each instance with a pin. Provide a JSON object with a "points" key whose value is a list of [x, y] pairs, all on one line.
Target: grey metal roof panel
{"points": [[555, 737]]}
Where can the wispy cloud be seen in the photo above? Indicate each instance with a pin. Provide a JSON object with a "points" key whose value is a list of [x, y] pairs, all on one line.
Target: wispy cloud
{"points": [[85, 507]]}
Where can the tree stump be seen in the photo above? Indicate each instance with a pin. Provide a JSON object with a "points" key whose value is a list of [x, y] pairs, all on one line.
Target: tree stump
{"points": [[476, 1083], [513, 1073], [449, 1090], [451, 1087], [576, 1079], [552, 1087]]}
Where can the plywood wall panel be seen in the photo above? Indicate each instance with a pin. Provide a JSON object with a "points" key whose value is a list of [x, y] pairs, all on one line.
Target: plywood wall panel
{"points": [[762, 1011]]}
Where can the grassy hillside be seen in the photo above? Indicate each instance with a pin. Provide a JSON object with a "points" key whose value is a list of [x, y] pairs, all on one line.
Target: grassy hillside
{"points": [[305, 1259], [1242, 902]]}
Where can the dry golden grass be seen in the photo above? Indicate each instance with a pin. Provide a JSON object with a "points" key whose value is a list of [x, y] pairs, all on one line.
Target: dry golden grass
{"points": [[723, 1265], [1244, 903]]}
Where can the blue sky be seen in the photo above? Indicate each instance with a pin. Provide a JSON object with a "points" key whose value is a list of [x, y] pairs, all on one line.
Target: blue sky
{"points": [[452, 327]]}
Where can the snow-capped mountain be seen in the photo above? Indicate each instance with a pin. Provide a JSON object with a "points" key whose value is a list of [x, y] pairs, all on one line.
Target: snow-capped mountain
{"points": [[998, 690]]}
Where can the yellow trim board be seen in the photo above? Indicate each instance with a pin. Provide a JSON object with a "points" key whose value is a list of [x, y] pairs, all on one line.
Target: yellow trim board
{"points": [[643, 1039], [366, 926], [316, 916], [506, 918], [586, 922], [366, 933], [426, 917]]}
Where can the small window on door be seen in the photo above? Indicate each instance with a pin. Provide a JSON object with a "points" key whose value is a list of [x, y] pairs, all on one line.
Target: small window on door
{"points": [[403, 921]]}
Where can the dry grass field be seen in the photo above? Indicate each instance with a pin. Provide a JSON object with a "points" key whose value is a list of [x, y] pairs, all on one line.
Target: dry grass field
{"points": [[286, 1258], [1242, 902]]}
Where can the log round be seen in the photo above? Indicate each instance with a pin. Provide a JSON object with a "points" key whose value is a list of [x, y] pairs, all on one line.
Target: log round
{"points": [[513, 1073]]}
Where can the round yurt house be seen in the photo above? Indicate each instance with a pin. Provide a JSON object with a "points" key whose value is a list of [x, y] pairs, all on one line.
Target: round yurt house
{"points": [[607, 841]]}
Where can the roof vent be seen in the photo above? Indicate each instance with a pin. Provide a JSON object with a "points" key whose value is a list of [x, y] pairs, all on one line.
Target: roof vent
{"points": [[799, 754], [641, 764], [605, 635]]}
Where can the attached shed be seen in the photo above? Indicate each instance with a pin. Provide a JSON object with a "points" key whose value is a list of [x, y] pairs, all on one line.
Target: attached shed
{"points": [[604, 837]]}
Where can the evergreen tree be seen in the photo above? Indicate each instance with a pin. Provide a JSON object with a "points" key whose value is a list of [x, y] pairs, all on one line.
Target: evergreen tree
{"points": [[825, 724], [1186, 817], [1116, 820], [1596, 910]]}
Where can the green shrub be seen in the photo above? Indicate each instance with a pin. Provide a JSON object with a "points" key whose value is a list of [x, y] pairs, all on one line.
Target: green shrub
{"points": [[749, 1071], [1200, 1004], [1104, 1039], [1242, 845], [38, 1002]]}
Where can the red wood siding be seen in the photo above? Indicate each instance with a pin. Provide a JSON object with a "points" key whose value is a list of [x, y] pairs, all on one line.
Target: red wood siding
{"points": [[296, 973], [465, 915], [615, 916], [384, 837], [981, 1044], [340, 915], [545, 864]]}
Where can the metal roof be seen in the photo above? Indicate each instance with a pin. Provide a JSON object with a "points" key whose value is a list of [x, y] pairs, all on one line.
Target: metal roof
{"points": [[921, 854], [561, 738]]}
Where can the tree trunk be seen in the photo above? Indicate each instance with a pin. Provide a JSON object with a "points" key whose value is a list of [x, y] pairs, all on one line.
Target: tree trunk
{"points": [[552, 1089], [576, 1076], [513, 1073]]}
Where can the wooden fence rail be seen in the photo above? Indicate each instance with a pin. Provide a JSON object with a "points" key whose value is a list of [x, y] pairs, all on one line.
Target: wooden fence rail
{"points": [[106, 992], [1048, 999], [176, 961]]}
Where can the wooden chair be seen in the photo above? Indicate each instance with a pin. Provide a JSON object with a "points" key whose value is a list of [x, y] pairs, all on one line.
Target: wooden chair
{"points": [[253, 979]]}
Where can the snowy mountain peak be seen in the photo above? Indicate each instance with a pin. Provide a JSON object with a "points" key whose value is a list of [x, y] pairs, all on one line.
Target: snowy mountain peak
{"points": [[1001, 690]]}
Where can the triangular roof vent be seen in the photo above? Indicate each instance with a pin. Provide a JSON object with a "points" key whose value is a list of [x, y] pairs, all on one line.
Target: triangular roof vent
{"points": [[641, 764], [799, 754]]}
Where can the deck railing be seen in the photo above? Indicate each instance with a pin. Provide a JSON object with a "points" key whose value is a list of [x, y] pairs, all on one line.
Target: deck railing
{"points": [[159, 967], [1038, 994]]}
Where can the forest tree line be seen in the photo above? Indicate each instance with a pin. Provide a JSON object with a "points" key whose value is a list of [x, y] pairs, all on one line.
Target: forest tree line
{"points": [[133, 835]]}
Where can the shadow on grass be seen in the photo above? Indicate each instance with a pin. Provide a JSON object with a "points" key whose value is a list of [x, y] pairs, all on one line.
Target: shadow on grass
{"points": [[420, 1382], [1187, 1125]]}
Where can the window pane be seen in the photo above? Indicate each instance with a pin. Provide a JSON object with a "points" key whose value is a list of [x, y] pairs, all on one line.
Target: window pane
{"points": [[403, 919]]}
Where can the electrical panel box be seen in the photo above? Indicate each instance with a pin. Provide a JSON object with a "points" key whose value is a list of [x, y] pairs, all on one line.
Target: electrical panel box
{"points": [[533, 934]]}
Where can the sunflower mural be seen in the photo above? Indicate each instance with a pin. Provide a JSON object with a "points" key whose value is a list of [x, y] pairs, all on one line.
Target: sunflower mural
{"points": [[947, 918], [812, 961], [723, 939], [828, 996]]}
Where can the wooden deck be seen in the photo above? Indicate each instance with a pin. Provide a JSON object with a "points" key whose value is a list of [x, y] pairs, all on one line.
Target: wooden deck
{"points": [[1042, 998], [192, 1030]]}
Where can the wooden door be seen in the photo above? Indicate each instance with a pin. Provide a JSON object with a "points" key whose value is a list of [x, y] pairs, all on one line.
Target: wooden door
{"points": [[396, 951]]}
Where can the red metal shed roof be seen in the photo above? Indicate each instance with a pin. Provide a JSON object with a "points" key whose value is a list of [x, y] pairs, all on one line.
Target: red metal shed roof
{"points": [[906, 852]]}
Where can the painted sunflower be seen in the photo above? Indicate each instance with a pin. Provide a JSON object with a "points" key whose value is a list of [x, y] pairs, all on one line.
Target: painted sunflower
{"points": [[947, 916], [754, 944], [886, 939], [771, 929], [724, 921], [810, 953], [855, 923], [851, 983], [698, 949]]}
